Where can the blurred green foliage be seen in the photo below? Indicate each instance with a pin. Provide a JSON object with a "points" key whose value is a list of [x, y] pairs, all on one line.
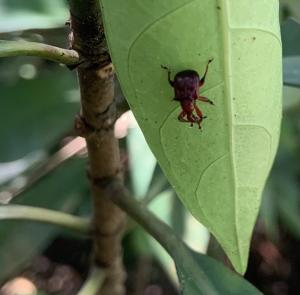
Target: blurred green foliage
{"points": [[63, 190], [17, 15], [38, 102], [38, 109]]}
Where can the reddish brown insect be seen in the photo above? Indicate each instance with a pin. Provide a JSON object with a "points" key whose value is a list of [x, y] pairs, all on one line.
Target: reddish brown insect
{"points": [[186, 86]]}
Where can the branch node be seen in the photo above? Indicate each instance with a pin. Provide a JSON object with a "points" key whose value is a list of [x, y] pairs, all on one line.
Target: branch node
{"points": [[104, 182], [105, 120], [112, 233], [75, 66], [106, 72], [80, 126]]}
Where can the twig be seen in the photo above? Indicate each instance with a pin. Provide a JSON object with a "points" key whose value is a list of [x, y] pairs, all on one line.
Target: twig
{"points": [[66, 220], [158, 230], [72, 148], [93, 282], [25, 48]]}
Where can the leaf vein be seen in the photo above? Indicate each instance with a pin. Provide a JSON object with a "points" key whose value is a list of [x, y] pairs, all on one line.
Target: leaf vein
{"points": [[225, 15], [259, 30]]}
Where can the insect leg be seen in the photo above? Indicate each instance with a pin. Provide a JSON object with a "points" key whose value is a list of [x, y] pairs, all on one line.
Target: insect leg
{"points": [[193, 119], [201, 117], [205, 99], [198, 111], [202, 80], [181, 117], [169, 75]]}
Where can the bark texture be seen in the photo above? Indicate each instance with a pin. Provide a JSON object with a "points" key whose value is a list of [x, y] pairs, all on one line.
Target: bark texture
{"points": [[95, 123]]}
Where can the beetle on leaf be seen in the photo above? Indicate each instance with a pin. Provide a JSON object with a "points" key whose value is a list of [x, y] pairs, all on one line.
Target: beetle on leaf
{"points": [[186, 86]]}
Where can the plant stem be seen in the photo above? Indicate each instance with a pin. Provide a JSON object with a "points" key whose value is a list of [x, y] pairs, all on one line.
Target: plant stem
{"points": [[159, 230], [24, 48], [69, 150], [78, 224], [155, 227], [93, 282], [96, 122]]}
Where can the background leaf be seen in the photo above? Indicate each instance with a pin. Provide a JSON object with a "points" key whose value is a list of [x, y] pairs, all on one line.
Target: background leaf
{"points": [[219, 173], [141, 160], [291, 71], [25, 240], [20, 15], [223, 280], [167, 207], [154, 187], [290, 32], [37, 110]]}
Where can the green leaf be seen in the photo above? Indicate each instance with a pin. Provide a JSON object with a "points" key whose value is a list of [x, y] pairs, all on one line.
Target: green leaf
{"points": [[288, 205], [198, 274], [283, 189], [168, 208], [220, 279], [291, 71], [291, 97], [158, 184], [268, 213], [37, 111], [218, 173], [290, 32], [142, 162]]}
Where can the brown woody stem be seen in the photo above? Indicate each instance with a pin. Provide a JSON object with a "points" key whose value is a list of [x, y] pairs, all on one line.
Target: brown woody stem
{"points": [[95, 123]]}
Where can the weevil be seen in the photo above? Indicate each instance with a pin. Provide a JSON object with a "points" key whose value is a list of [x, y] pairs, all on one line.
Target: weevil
{"points": [[186, 86]]}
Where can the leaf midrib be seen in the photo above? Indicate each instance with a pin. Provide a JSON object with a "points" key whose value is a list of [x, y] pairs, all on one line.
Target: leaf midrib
{"points": [[226, 34]]}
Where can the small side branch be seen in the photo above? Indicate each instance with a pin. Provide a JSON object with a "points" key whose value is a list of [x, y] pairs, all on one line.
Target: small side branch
{"points": [[69, 150], [25, 48], [66, 220], [93, 282], [154, 226], [158, 230]]}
